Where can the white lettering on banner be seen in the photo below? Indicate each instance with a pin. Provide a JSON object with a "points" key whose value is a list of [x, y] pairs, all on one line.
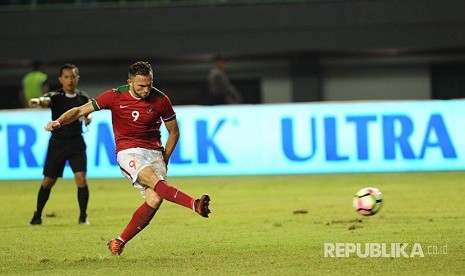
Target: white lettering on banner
{"points": [[380, 250], [369, 250], [436, 136], [267, 139]]}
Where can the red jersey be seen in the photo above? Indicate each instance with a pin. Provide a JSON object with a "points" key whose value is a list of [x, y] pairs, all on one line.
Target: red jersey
{"points": [[136, 122]]}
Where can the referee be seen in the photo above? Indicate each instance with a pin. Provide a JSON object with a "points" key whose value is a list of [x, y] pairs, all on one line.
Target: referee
{"points": [[66, 143]]}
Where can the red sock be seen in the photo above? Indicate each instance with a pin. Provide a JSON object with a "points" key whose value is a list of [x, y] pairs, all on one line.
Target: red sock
{"points": [[170, 193], [141, 218]]}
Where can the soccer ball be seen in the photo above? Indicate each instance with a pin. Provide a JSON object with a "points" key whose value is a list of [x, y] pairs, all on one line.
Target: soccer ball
{"points": [[368, 201]]}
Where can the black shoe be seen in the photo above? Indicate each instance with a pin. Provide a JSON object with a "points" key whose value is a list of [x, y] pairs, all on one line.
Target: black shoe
{"points": [[83, 220], [202, 206], [36, 220]]}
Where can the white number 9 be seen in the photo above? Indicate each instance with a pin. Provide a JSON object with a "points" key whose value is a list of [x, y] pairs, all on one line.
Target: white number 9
{"points": [[135, 115]]}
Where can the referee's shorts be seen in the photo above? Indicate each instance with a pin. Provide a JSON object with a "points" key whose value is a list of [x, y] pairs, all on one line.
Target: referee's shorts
{"points": [[62, 150]]}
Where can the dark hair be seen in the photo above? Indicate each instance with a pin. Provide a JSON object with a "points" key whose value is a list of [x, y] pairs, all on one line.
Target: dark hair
{"points": [[142, 68], [69, 66]]}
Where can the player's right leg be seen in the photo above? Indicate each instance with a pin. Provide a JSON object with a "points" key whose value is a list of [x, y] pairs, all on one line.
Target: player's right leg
{"points": [[53, 168], [42, 198], [139, 168], [116, 246], [140, 219]]}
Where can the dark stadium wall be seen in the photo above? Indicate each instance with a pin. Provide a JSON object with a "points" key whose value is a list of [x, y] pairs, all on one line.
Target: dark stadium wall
{"points": [[240, 30], [292, 47]]}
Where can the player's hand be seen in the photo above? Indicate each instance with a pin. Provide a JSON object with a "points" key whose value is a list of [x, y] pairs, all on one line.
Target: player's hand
{"points": [[166, 160], [166, 163], [52, 125], [87, 120], [34, 102]]}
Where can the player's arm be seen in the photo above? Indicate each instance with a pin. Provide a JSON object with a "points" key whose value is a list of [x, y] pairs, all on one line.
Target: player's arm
{"points": [[40, 101], [88, 118], [173, 137], [70, 116]]}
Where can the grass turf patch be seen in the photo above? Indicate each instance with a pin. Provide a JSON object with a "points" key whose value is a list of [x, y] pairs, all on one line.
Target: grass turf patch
{"points": [[262, 225]]}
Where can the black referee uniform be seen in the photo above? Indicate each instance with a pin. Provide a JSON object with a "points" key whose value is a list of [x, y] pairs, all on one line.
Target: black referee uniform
{"points": [[66, 143]]}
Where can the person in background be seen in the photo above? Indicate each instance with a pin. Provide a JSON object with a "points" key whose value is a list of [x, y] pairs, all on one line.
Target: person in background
{"points": [[34, 84], [221, 90], [65, 144], [138, 110]]}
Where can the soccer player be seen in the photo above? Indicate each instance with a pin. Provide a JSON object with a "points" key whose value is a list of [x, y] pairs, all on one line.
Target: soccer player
{"points": [[65, 144], [138, 110]]}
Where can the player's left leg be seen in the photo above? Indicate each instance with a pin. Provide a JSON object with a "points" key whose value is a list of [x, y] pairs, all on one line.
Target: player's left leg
{"points": [[78, 162], [173, 194], [82, 195], [145, 213], [156, 181], [146, 168]]}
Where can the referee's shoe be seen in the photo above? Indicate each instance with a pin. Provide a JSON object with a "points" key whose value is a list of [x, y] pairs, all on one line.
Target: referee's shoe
{"points": [[36, 220], [83, 220]]}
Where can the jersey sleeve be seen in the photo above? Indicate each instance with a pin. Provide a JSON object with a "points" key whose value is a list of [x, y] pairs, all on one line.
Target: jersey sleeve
{"points": [[84, 95], [51, 94], [167, 112], [104, 100]]}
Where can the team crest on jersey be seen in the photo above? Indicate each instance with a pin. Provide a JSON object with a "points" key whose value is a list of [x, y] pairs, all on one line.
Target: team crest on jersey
{"points": [[149, 110]]}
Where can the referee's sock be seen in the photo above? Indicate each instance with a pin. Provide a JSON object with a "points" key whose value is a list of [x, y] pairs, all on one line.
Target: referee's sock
{"points": [[42, 198], [173, 194], [83, 199]]}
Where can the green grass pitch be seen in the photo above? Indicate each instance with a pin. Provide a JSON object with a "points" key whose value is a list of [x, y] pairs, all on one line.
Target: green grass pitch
{"points": [[260, 225]]}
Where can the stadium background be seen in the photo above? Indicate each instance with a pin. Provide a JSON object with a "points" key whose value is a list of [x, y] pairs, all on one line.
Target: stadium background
{"points": [[282, 52], [342, 86]]}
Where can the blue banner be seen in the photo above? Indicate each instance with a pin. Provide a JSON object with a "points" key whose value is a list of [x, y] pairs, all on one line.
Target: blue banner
{"points": [[266, 139]]}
